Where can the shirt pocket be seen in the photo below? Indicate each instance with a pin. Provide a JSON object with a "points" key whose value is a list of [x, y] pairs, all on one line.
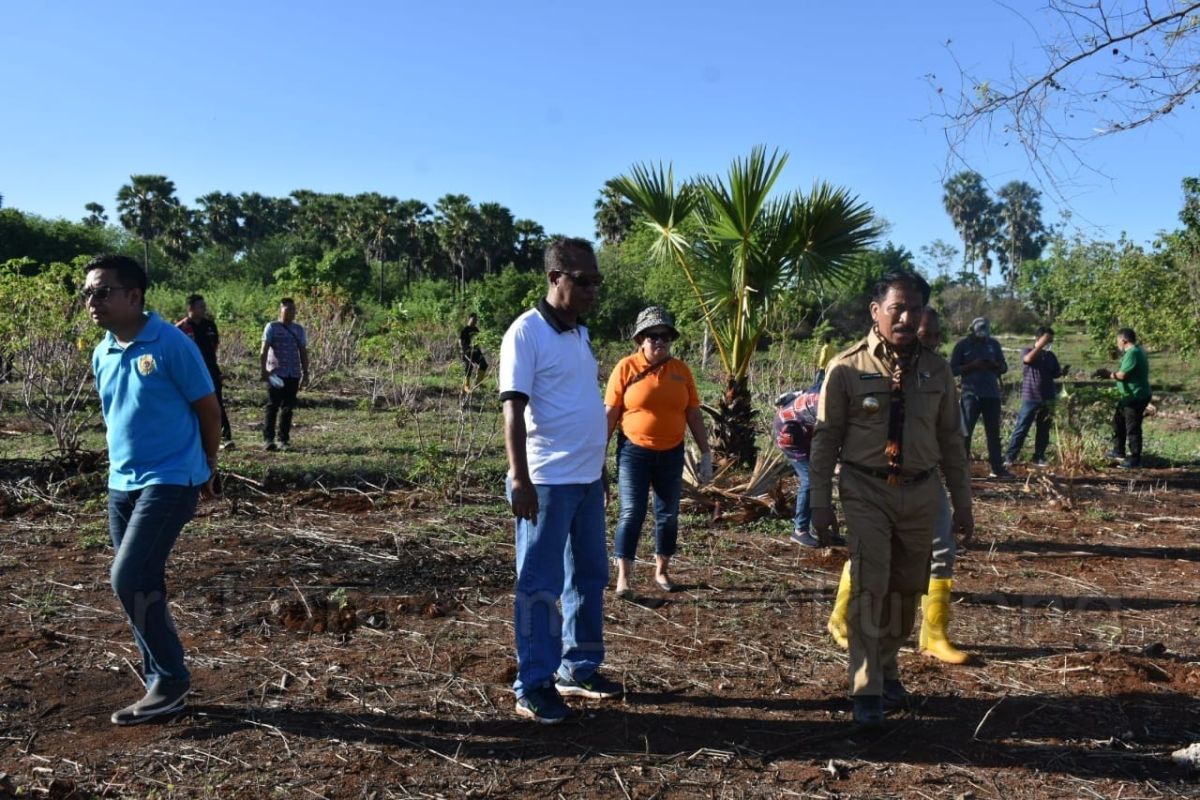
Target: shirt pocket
{"points": [[922, 409], [869, 402]]}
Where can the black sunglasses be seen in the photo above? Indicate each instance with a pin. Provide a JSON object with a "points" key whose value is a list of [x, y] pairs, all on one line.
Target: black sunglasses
{"points": [[100, 293], [665, 336], [584, 281]]}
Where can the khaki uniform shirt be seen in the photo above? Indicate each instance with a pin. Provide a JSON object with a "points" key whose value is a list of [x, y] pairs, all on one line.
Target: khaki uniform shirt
{"points": [[852, 420]]}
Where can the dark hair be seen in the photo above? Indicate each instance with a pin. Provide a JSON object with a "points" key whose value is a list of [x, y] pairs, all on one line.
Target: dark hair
{"points": [[900, 279], [1043, 330], [930, 311], [564, 255], [129, 271], [287, 301], [194, 298], [1128, 335]]}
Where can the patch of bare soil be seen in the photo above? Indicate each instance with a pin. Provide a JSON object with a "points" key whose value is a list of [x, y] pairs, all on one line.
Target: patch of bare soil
{"points": [[354, 645]]}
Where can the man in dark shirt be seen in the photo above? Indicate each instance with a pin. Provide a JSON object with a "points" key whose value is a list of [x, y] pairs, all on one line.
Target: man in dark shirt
{"points": [[474, 364], [203, 331], [1038, 390], [979, 361]]}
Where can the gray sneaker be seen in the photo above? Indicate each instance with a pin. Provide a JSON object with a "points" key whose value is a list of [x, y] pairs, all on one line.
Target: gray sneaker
{"points": [[163, 697]]}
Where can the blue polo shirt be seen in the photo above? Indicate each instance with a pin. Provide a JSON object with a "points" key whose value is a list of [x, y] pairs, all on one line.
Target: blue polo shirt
{"points": [[146, 393]]}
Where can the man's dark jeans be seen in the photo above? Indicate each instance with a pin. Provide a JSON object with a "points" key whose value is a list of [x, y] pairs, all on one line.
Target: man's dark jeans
{"points": [[1127, 426], [989, 408], [283, 398], [1033, 412], [144, 525]]}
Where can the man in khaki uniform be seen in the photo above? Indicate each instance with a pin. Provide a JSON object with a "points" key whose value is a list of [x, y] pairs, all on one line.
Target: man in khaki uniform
{"points": [[889, 413]]}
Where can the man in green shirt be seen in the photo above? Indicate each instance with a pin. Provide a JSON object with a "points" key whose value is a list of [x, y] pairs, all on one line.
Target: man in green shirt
{"points": [[1133, 395]]}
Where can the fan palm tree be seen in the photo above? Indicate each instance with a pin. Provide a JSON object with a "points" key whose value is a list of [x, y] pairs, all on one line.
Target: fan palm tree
{"points": [[974, 216], [614, 216], [749, 254], [1022, 234], [147, 205]]}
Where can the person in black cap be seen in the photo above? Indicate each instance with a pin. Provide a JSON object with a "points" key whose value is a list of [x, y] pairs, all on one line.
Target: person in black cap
{"points": [[979, 361]]}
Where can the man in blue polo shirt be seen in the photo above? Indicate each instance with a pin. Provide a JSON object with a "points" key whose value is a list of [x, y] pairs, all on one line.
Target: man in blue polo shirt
{"points": [[555, 434], [164, 428]]}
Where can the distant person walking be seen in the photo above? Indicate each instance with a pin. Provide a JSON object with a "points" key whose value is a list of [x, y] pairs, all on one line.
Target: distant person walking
{"points": [[979, 361], [554, 436], [474, 363], [202, 330], [651, 396], [284, 365], [163, 429], [1133, 395], [1038, 392]]}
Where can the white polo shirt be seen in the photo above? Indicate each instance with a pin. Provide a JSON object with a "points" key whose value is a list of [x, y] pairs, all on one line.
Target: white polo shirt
{"points": [[552, 366]]}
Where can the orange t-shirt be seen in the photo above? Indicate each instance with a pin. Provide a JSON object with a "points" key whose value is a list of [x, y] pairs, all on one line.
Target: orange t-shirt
{"points": [[653, 415]]}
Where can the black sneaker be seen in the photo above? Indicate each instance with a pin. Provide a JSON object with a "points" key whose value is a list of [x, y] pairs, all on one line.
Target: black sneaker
{"points": [[1000, 473], [868, 711], [269, 445], [1131, 463], [163, 697], [595, 687], [543, 705], [895, 695], [1113, 455]]}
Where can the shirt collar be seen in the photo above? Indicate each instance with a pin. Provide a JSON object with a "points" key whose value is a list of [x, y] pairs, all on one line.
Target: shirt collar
{"points": [[150, 332], [553, 319]]}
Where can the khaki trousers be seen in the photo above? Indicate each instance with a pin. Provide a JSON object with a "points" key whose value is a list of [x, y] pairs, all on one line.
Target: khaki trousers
{"points": [[890, 532]]}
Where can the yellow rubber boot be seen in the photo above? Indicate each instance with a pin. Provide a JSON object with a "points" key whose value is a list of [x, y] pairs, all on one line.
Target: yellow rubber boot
{"points": [[841, 604], [935, 617]]}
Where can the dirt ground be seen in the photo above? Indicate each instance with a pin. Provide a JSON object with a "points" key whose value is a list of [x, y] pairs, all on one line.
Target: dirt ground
{"points": [[350, 643]]}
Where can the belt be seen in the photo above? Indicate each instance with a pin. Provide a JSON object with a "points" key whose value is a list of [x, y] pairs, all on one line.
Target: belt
{"points": [[883, 474]]}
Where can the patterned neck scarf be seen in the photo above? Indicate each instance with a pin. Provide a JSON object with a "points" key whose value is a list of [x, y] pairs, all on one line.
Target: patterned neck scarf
{"points": [[899, 364]]}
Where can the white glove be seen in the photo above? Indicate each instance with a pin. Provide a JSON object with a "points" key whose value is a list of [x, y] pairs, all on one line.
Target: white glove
{"points": [[705, 470]]}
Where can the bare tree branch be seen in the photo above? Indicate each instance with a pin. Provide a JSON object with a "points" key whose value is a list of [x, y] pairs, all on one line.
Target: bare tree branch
{"points": [[1109, 66]]}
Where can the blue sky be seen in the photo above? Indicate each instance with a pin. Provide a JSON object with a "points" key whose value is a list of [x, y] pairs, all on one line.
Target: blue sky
{"points": [[530, 104]]}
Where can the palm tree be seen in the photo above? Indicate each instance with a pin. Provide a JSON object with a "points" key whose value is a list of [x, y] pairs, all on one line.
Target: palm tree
{"points": [[614, 216], [417, 236], [749, 255], [147, 204], [1021, 235], [217, 220], [974, 216], [459, 231], [531, 244], [96, 217]]}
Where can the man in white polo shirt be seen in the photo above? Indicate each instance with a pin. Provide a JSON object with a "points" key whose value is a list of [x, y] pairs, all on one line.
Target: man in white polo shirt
{"points": [[555, 432]]}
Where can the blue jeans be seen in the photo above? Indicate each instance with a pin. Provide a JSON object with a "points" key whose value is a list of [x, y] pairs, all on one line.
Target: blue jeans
{"points": [[802, 521], [640, 470], [144, 525], [562, 556], [989, 408], [1032, 412]]}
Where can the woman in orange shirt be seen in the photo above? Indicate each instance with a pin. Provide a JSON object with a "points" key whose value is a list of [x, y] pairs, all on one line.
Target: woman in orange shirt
{"points": [[652, 397]]}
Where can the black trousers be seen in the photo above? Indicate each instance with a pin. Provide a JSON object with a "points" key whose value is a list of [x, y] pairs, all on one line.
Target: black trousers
{"points": [[1127, 426], [280, 401], [226, 431]]}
